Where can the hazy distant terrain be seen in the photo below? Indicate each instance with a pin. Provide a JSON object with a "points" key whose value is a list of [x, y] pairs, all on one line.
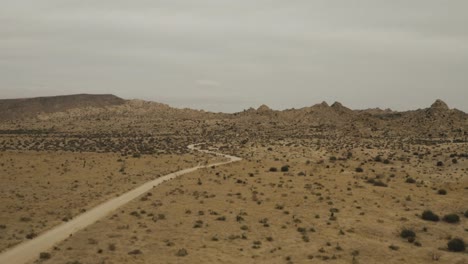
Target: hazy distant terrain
{"points": [[323, 183]]}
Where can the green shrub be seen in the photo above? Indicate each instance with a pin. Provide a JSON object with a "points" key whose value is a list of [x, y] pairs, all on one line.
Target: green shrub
{"points": [[407, 233], [456, 245], [135, 252], [410, 180], [44, 255], [451, 218], [428, 215], [377, 182], [285, 168], [442, 192], [182, 252]]}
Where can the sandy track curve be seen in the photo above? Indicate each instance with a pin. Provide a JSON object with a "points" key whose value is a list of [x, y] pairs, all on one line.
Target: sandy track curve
{"points": [[30, 250]]}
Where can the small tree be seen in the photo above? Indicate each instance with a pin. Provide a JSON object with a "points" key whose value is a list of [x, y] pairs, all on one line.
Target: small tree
{"points": [[456, 245], [451, 218], [428, 215]]}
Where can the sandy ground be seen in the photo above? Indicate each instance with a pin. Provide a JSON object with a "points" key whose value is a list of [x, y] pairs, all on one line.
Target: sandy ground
{"points": [[320, 210], [45, 241], [40, 190]]}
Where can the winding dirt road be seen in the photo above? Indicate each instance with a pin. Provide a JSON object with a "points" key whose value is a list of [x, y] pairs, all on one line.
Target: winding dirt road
{"points": [[30, 250]]}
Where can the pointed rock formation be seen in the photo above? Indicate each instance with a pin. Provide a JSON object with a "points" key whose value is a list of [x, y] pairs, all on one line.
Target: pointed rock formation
{"points": [[263, 108], [337, 106], [324, 104], [440, 105]]}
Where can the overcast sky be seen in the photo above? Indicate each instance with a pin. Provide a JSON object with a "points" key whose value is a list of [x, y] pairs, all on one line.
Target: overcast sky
{"points": [[228, 55]]}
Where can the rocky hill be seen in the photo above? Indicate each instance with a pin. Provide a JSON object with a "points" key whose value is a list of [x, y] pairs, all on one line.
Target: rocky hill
{"points": [[11, 109], [108, 113]]}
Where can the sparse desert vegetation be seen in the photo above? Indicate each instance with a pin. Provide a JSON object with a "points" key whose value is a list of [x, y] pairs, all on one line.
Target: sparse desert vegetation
{"points": [[321, 190]]}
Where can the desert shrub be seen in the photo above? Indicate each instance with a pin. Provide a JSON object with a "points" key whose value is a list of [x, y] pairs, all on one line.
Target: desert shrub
{"points": [[359, 169], [466, 213], [454, 161], [273, 169], [456, 245], [44, 255], [332, 158], [198, 224], [377, 182], [182, 252], [393, 247], [31, 235], [380, 183], [112, 247], [442, 192], [428, 215], [407, 233], [135, 252], [285, 168], [451, 218], [440, 164], [410, 180]]}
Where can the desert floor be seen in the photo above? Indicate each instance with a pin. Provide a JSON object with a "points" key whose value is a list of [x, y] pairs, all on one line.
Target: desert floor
{"points": [[328, 204], [39, 190]]}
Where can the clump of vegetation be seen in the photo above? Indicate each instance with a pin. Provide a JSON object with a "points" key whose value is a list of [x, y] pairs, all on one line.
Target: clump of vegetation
{"points": [[273, 169], [112, 247], [451, 218], [410, 180], [377, 182], [198, 224], [466, 213], [31, 235], [135, 252], [393, 247], [408, 234], [285, 168], [44, 255], [428, 215], [359, 169], [440, 164], [182, 252], [456, 245], [221, 218], [442, 192]]}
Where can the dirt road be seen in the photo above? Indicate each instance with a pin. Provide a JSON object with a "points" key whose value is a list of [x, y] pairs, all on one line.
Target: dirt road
{"points": [[30, 250]]}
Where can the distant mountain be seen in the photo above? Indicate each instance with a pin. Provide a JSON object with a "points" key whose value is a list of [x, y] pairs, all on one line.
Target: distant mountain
{"points": [[30, 107], [108, 112]]}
